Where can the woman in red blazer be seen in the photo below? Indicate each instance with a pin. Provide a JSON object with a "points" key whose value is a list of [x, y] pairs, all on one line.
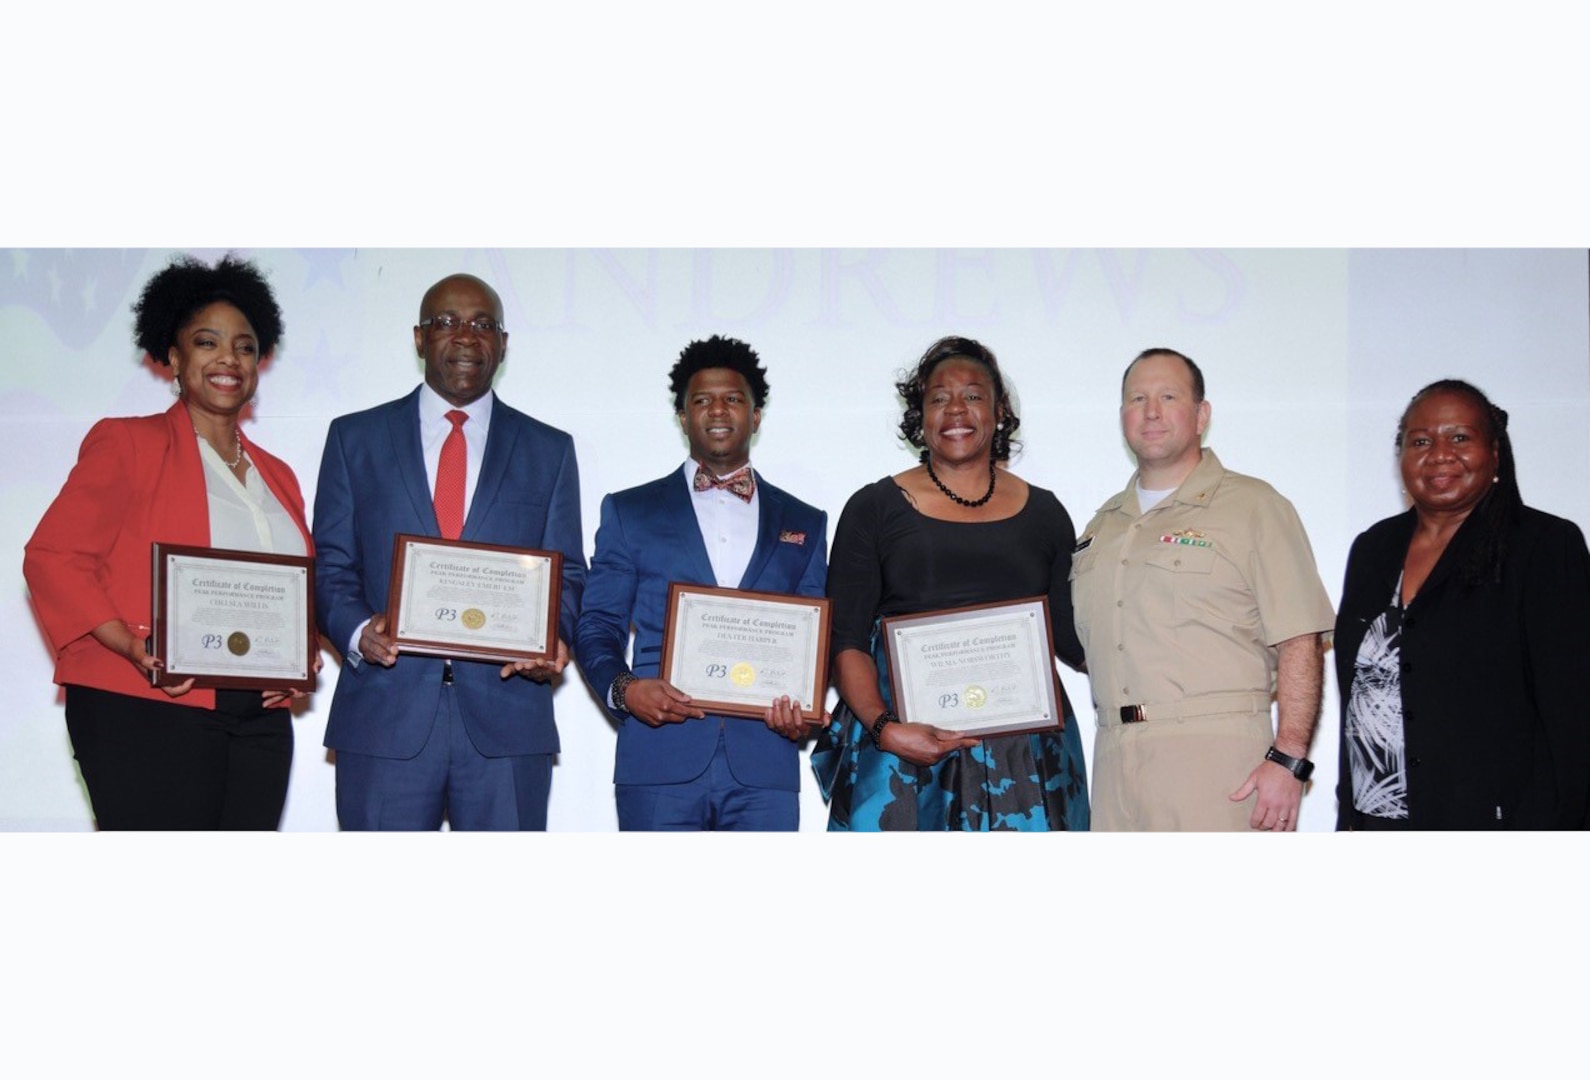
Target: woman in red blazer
{"points": [[177, 757]]}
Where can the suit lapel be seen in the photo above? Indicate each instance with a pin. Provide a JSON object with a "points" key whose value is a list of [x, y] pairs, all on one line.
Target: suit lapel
{"points": [[770, 515], [1456, 555], [679, 513], [1388, 561], [403, 425], [501, 438]]}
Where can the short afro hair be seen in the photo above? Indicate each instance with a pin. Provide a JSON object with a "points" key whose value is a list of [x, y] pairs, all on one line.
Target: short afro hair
{"points": [[718, 352], [912, 388], [173, 295]]}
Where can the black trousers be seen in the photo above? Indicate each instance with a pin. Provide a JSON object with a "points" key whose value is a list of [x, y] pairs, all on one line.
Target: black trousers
{"points": [[160, 765], [1368, 823]]}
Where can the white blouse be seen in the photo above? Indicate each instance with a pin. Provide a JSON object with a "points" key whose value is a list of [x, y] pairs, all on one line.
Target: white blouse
{"points": [[246, 516]]}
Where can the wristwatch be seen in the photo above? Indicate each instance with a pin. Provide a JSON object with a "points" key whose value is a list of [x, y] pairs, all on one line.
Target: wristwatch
{"points": [[1302, 768]]}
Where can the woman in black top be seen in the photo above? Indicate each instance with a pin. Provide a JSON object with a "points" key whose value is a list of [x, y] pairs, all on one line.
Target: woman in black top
{"points": [[957, 530], [1461, 641]]}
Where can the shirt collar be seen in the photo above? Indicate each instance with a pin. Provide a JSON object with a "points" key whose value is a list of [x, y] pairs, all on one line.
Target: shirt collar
{"points": [[1196, 490], [1200, 484], [434, 409], [691, 465]]}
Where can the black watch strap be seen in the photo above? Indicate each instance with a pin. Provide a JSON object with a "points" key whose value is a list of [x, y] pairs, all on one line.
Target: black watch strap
{"points": [[1302, 768]]}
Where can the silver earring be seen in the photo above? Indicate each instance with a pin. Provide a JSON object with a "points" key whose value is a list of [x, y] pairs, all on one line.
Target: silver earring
{"points": [[176, 386]]}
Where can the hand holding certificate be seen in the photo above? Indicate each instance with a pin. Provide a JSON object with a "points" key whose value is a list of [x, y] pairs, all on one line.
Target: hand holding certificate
{"points": [[469, 601], [233, 619], [983, 670], [736, 652]]}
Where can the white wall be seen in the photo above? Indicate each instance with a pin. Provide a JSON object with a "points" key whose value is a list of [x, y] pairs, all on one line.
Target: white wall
{"points": [[1310, 356]]}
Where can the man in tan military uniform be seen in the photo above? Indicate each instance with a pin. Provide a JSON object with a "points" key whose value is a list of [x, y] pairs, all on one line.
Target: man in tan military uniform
{"points": [[1193, 612]]}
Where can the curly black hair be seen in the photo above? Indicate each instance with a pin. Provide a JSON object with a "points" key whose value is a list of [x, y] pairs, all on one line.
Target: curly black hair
{"points": [[172, 296], [1500, 507], [913, 385], [717, 352]]}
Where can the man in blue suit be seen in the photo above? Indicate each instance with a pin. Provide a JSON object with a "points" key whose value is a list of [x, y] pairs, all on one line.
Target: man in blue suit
{"points": [[712, 522], [419, 738]]}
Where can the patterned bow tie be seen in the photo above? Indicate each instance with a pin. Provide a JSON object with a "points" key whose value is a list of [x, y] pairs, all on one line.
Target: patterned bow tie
{"points": [[741, 481]]}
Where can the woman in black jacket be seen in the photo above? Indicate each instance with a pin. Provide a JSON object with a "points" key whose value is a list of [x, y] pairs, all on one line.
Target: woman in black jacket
{"points": [[1462, 639]]}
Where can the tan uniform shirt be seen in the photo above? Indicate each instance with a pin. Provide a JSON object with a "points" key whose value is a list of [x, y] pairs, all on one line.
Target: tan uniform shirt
{"points": [[1179, 610], [1192, 597]]}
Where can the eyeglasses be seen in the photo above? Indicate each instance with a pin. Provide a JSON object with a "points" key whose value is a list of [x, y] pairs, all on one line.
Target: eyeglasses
{"points": [[447, 324]]}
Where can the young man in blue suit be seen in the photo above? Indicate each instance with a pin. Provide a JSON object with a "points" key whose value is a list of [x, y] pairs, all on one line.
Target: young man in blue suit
{"points": [[418, 738], [713, 521]]}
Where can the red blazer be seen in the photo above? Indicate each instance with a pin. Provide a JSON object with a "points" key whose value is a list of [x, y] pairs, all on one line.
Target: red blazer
{"points": [[137, 480]]}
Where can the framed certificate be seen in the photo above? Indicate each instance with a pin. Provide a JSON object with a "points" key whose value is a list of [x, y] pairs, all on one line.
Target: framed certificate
{"points": [[233, 619], [734, 651], [473, 601], [982, 670]]}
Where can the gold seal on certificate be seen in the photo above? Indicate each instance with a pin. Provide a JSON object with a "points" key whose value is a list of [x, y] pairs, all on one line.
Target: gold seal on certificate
{"points": [[983, 670], [734, 651], [233, 619], [473, 601]]}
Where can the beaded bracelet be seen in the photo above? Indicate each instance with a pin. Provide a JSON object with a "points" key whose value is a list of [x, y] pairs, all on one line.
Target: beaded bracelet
{"points": [[620, 689], [885, 717]]}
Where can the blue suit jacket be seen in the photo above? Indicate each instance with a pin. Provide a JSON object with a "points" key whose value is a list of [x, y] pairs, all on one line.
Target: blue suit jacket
{"points": [[649, 537], [373, 486]]}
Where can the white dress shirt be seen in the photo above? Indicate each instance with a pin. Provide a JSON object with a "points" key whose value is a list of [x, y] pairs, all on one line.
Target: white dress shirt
{"points": [[728, 526]]}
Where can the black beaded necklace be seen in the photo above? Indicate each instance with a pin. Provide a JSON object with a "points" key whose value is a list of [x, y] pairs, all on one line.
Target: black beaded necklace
{"points": [[933, 476]]}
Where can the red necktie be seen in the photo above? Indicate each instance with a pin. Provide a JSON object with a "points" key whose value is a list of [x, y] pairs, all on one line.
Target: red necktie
{"points": [[449, 497], [741, 481]]}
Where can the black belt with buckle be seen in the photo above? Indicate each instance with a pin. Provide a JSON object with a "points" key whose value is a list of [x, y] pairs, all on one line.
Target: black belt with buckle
{"points": [[1132, 714], [447, 672]]}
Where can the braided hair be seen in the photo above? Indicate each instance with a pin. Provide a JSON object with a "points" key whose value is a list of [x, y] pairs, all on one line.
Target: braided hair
{"points": [[1499, 509]]}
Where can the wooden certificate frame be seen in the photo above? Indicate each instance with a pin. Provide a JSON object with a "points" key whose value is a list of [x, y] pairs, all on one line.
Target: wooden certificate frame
{"points": [[733, 650], [469, 601], [232, 620], [986, 669]]}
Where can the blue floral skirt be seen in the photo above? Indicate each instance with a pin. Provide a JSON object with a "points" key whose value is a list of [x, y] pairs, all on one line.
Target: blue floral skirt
{"points": [[1034, 783]]}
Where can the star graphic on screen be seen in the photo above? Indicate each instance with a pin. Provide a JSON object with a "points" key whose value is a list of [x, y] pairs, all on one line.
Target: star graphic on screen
{"points": [[76, 293], [325, 263]]}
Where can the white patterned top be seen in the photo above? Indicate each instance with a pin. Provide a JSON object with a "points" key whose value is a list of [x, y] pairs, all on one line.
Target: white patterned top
{"points": [[1375, 744]]}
